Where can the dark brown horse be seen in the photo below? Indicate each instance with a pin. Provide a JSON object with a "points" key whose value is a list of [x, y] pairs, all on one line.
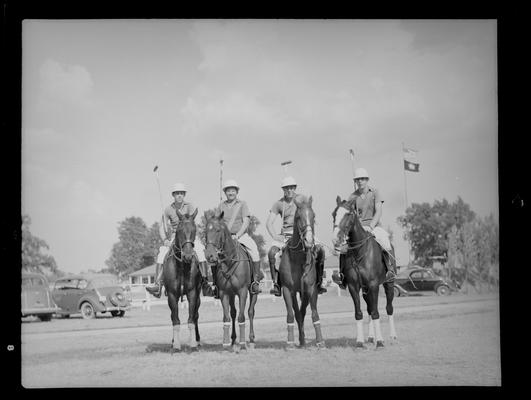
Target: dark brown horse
{"points": [[233, 278], [297, 273], [181, 277], [363, 268]]}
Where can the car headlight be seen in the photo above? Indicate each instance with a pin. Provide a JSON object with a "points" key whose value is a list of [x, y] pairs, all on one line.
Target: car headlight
{"points": [[101, 298]]}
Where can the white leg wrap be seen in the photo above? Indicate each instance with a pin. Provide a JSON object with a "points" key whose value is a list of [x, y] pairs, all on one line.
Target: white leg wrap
{"points": [[359, 326], [317, 322], [378, 330], [371, 328], [191, 329], [392, 331]]}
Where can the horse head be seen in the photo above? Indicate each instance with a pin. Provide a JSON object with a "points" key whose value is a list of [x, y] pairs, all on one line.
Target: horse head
{"points": [[185, 235], [215, 232], [304, 220], [342, 218]]}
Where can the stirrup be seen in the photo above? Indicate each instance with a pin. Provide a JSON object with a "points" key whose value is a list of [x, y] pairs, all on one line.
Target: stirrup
{"points": [[276, 290], [255, 291]]}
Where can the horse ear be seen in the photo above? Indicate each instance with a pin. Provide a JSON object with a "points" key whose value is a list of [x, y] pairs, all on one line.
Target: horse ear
{"points": [[179, 215], [220, 216], [310, 200], [195, 213], [338, 200]]}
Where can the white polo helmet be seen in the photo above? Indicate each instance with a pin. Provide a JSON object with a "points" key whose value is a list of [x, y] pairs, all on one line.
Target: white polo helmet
{"points": [[178, 187], [230, 183], [361, 173], [288, 181]]}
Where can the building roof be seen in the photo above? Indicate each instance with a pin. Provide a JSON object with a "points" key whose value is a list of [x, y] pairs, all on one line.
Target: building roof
{"points": [[149, 270]]}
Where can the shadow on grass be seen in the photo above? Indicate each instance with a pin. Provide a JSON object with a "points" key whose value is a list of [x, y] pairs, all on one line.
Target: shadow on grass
{"points": [[342, 342]]}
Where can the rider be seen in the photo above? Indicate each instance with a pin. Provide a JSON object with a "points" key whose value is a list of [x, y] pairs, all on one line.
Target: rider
{"points": [[286, 208], [237, 217], [369, 205], [167, 229]]}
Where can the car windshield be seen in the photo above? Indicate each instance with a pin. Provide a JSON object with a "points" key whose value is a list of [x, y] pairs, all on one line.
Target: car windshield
{"points": [[104, 281], [66, 284]]}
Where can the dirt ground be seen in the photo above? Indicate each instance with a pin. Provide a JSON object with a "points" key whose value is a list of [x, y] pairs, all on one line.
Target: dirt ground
{"points": [[442, 341]]}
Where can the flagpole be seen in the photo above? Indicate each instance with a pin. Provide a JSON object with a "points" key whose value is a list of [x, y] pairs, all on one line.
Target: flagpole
{"points": [[405, 193]]}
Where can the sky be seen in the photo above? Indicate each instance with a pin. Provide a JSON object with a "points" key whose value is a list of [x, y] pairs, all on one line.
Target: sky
{"points": [[105, 101]]}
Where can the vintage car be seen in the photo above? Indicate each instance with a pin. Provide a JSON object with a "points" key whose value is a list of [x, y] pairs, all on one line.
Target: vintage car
{"points": [[35, 297], [90, 294], [417, 279]]}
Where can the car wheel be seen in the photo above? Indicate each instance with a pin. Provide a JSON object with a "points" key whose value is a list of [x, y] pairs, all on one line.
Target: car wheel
{"points": [[397, 291], [443, 290], [45, 317], [118, 313], [66, 315], [87, 311]]}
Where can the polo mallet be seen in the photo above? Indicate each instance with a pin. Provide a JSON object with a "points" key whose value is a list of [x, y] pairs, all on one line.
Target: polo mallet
{"points": [[220, 179], [285, 165], [156, 170]]}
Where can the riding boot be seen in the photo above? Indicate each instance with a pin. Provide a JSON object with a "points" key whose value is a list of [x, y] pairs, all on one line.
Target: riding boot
{"points": [[256, 278], [274, 277], [156, 288], [319, 263], [214, 288], [389, 258], [205, 286], [337, 276]]}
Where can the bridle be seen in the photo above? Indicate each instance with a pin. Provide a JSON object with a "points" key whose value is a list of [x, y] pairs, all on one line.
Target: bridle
{"points": [[352, 245], [180, 248], [307, 228]]}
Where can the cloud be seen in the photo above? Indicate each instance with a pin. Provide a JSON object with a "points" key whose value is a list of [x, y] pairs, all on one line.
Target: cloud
{"points": [[86, 202]]}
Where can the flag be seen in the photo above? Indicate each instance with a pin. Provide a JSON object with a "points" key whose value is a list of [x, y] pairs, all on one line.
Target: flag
{"points": [[409, 166], [410, 160]]}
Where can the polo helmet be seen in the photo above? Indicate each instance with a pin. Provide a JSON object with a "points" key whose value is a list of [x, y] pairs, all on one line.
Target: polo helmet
{"points": [[178, 187], [230, 183], [288, 181], [361, 173]]}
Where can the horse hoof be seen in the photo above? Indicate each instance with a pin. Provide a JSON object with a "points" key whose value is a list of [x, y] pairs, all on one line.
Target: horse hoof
{"points": [[175, 350], [370, 340], [243, 346], [236, 348], [290, 346], [320, 345], [251, 346], [379, 344], [226, 346], [194, 349], [360, 345]]}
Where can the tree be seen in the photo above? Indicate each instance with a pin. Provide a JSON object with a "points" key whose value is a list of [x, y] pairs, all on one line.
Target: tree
{"points": [[136, 248], [34, 257], [427, 227]]}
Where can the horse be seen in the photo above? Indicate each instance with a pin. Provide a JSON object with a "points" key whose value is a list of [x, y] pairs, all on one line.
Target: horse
{"points": [[297, 273], [233, 278], [181, 277], [363, 268]]}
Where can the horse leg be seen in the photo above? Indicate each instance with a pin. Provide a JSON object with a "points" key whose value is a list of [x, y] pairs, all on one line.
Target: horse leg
{"points": [[370, 336], [173, 302], [354, 290], [252, 303], [192, 297], [299, 317], [226, 320], [290, 318], [373, 297], [233, 318], [242, 296], [196, 319], [389, 296], [315, 318]]}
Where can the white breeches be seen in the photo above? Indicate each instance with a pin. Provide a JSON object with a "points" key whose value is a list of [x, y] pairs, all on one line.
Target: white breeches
{"points": [[198, 248], [250, 245], [381, 236]]}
